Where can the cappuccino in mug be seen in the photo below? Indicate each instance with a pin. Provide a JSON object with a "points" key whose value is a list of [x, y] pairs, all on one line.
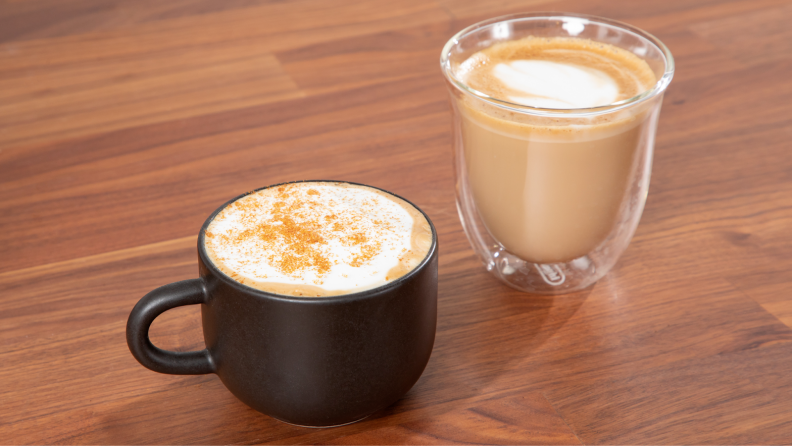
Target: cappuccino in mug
{"points": [[318, 301], [316, 239], [551, 192]]}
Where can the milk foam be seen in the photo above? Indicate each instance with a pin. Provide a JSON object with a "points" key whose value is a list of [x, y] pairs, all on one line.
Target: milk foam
{"points": [[557, 85], [332, 237], [556, 73]]}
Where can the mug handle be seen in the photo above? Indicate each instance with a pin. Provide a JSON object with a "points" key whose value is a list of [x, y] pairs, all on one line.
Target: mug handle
{"points": [[186, 292]]}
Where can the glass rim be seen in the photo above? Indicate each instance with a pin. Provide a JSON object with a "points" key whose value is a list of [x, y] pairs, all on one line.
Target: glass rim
{"points": [[657, 89]]}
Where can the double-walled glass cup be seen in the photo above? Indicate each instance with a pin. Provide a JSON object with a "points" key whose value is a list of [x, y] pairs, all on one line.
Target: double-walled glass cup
{"points": [[550, 198]]}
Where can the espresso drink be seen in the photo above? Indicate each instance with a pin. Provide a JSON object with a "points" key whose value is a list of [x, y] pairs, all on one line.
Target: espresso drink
{"points": [[318, 239], [548, 191]]}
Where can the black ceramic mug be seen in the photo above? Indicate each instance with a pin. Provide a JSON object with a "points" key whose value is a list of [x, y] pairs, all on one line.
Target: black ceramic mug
{"points": [[310, 361]]}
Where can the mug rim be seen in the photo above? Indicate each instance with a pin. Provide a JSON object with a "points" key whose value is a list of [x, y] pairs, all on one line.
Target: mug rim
{"points": [[658, 88], [369, 293]]}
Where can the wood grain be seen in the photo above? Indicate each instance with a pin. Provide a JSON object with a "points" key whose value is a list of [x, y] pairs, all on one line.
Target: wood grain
{"points": [[124, 124], [107, 94], [526, 418]]}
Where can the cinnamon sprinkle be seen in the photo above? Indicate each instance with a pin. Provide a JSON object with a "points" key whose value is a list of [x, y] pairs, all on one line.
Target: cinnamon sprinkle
{"points": [[297, 233]]}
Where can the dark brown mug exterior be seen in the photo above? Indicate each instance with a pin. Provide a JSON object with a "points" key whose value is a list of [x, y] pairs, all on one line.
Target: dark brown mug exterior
{"points": [[321, 361]]}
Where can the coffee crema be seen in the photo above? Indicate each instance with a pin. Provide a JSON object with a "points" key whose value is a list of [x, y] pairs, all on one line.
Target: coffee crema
{"points": [[317, 239], [550, 188]]}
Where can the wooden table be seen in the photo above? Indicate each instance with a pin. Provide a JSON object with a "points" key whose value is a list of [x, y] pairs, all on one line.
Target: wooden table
{"points": [[125, 123]]}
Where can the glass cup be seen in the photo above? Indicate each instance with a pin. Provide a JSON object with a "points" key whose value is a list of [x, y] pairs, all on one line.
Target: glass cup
{"points": [[550, 211]]}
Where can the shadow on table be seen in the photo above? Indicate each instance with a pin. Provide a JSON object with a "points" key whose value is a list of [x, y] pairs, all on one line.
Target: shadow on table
{"points": [[191, 410], [488, 336]]}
